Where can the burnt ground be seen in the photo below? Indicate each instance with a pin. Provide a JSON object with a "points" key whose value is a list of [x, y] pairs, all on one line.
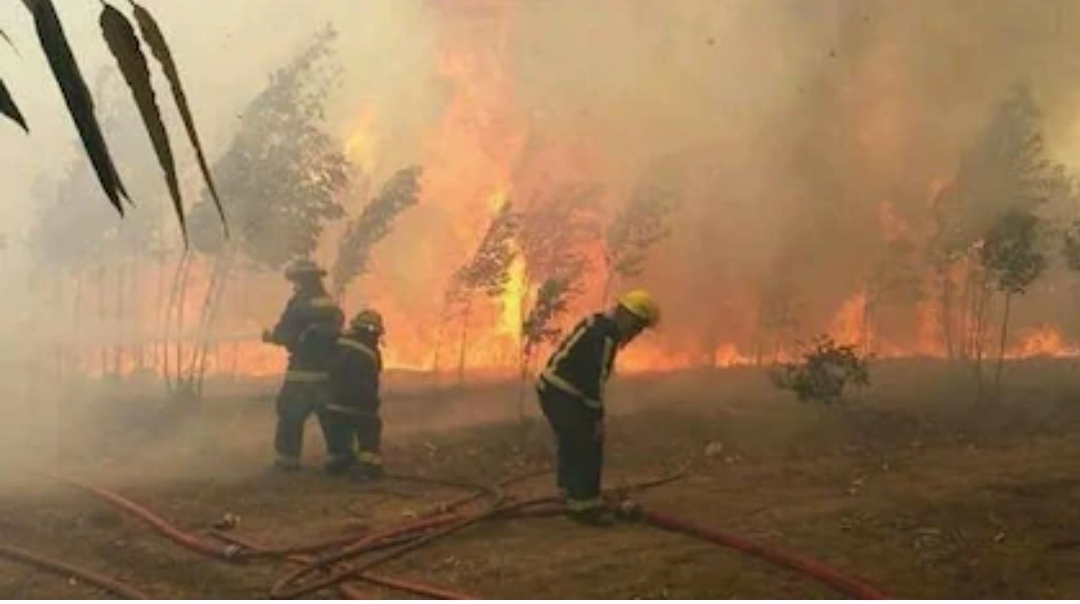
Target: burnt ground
{"points": [[914, 486]]}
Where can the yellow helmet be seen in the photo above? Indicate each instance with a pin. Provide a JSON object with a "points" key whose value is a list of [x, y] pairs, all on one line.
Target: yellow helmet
{"points": [[368, 319], [640, 303]]}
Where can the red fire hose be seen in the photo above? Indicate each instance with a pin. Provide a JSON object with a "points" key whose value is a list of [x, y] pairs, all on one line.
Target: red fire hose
{"points": [[64, 569], [234, 553], [411, 536], [181, 538], [807, 566], [350, 591]]}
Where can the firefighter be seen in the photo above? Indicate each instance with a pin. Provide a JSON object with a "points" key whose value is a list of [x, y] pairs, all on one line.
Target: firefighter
{"points": [[308, 329], [353, 414], [571, 391]]}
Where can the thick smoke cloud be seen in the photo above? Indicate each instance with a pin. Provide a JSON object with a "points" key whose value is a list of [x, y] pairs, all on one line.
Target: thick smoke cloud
{"points": [[790, 122]]}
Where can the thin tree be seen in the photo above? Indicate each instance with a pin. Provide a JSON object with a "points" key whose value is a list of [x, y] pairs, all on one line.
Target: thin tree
{"points": [[1011, 256], [1006, 170], [540, 328], [486, 273], [557, 232], [778, 317], [641, 223], [401, 192], [283, 174], [895, 280]]}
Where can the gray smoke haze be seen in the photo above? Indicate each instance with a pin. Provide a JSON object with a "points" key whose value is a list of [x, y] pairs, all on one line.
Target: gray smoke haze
{"points": [[791, 121]]}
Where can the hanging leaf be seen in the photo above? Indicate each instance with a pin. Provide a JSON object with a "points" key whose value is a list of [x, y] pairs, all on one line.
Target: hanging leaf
{"points": [[124, 45], [9, 108], [156, 40], [77, 97]]}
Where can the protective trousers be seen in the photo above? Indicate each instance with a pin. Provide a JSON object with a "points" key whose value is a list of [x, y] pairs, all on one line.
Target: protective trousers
{"points": [[580, 445], [347, 427], [296, 401]]}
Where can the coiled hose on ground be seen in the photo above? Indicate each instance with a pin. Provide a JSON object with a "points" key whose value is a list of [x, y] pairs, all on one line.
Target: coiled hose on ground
{"points": [[327, 563]]}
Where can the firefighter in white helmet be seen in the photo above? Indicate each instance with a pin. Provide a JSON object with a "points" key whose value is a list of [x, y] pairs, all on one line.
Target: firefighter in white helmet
{"points": [[308, 329], [571, 390]]}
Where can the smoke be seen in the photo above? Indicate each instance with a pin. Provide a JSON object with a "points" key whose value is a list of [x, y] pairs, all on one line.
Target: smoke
{"points": [[787, 124], [792, 123]]}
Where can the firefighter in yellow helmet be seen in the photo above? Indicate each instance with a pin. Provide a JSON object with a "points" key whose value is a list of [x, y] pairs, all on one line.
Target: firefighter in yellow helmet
{"points": [[571, 391], [308, 329], [353, 413]]}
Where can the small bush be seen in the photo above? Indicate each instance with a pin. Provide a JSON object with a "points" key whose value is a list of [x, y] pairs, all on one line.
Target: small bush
{"points": [[822, 373]]}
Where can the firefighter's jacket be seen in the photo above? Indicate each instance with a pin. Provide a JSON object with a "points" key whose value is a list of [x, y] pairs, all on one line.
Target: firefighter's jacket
{"points": [[308, 329], [354, 375], [582, 363]]}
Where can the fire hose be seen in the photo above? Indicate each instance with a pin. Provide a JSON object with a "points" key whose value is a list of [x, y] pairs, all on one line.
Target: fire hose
{"points": [[235, 551], [347, 589], [403, 539], [806, 566], [67, 570], [282, 589]]}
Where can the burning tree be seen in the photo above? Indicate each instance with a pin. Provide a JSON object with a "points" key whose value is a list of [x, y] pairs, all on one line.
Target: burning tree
{"points": [[1006, 173], [126, 47], [1011, 257], [556, 231], [640, 223], [487, 273], [399, 193], [895, 279], [778, 316], [540, 327], [282, 173]]}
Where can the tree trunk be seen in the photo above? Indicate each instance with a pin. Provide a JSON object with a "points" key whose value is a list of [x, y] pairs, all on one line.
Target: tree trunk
{"points": [[57, 348], [438, 344], [971, 309], [215, 295], [179, 324], [522, 384], [121, 324], [167, 322], [982, 298], [161, 306], [136, 304], [103, 348], [464, 341], [76, 320], [1001, 341], [946, 285], [174, 323], [867, 328], [234, 371], [525, 352]]}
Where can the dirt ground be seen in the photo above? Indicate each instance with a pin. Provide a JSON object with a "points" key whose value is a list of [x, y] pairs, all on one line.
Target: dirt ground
{"points": [[914, 486]]}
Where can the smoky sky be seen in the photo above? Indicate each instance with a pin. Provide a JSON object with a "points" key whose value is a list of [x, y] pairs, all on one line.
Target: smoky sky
{"points": [[791, 121]]}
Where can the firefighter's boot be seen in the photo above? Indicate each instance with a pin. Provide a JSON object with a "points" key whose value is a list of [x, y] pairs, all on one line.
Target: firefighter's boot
{"points": [[597, 517]]}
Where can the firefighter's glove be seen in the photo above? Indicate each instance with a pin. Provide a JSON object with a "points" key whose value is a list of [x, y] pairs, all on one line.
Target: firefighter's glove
{"points": [[267, 336]]}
